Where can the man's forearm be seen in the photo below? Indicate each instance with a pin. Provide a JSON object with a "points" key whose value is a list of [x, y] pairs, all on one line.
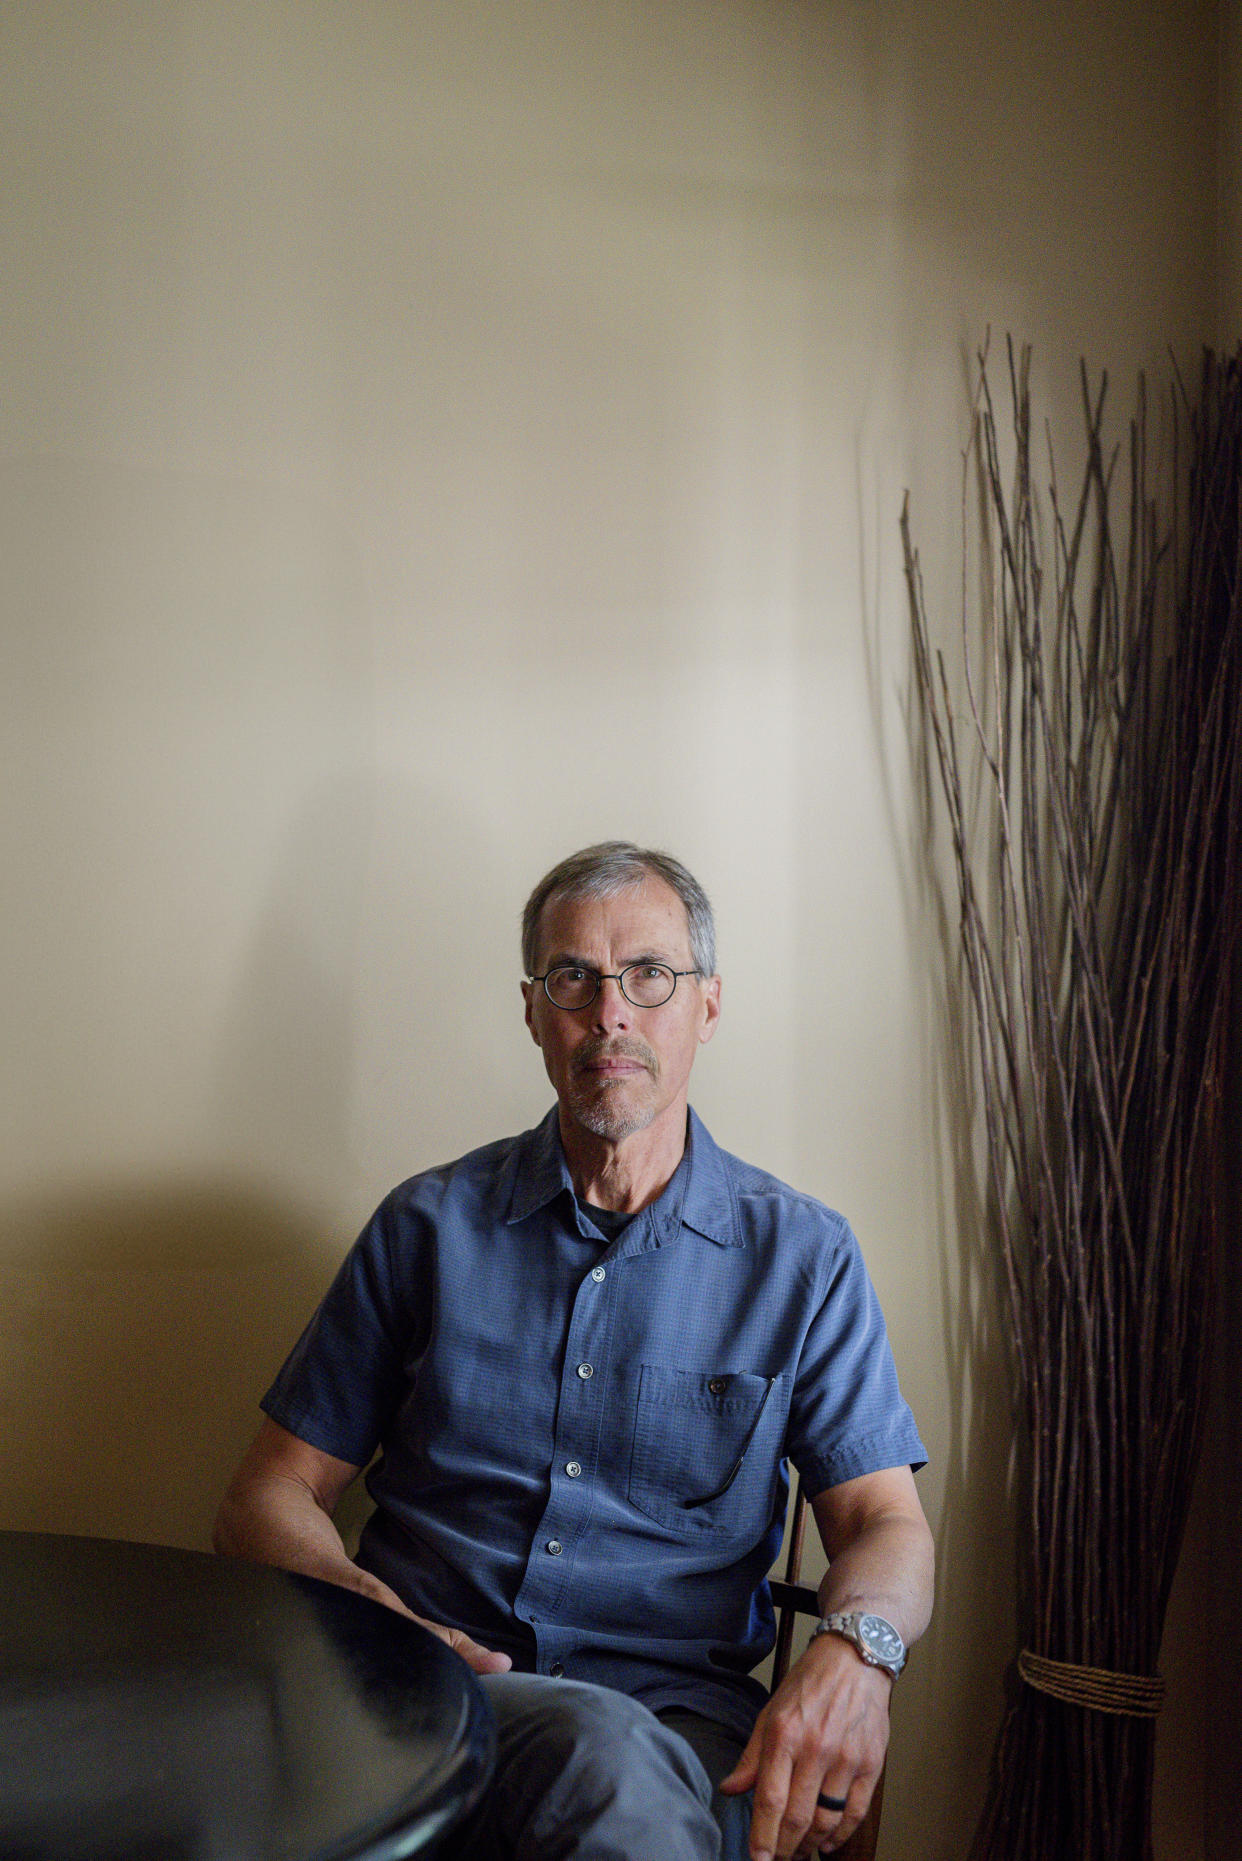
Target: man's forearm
{"points": [[277, 1520], [279, 1509], [887, 1568]]}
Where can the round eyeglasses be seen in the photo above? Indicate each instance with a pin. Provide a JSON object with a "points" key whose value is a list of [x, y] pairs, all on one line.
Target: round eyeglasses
{"points": [[644, 985]]}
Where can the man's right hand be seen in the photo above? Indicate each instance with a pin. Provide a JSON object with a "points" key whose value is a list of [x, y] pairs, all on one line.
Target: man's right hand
{"points": [[482, 1660]]}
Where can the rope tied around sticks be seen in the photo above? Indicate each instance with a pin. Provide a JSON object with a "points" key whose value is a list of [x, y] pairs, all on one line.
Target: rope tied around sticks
{"points": [[1135, 1695]]}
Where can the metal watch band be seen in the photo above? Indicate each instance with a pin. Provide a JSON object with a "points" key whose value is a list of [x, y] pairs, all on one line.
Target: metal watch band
{"points": [[847, 1626]]}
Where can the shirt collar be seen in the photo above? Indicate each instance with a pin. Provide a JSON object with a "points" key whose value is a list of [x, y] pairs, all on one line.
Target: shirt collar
{"points": [[709, 1206], [538, 1169], [699, 1194]]}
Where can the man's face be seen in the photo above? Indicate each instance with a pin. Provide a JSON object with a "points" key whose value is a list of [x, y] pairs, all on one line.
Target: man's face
{"points": [[617, 1068]]}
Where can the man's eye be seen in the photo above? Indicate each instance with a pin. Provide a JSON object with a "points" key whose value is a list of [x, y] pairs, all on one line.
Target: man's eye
{"points": [[569, 973]]}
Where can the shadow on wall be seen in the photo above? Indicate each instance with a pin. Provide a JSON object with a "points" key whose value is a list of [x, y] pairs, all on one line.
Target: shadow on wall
{"points": [[972, 1633], [977, 1542], [976, 1548], [141, 1321], [139, 1327]]}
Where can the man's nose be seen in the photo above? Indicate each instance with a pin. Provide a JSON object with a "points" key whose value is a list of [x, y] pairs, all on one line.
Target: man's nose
{"points": [[610, 1009]]}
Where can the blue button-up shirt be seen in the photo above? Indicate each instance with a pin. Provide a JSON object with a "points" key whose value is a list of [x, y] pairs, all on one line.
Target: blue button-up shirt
{"points": [[582, 1442]]}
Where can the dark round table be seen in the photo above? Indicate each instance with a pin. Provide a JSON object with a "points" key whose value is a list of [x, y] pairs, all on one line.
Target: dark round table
{"points": [[164, 1705]]}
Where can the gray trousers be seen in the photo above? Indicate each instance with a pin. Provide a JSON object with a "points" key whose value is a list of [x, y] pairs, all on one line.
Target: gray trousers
{"points": [[586, 1772]]}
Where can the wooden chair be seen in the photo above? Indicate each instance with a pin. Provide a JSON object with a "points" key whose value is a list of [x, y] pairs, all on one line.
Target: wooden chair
{"points": [[792, 1599]]}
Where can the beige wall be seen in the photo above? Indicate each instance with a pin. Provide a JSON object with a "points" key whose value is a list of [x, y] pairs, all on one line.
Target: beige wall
{"points": [[434, 436]]}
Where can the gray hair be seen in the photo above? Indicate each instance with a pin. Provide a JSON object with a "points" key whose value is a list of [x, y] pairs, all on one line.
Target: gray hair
{"points": [[614, 866]]}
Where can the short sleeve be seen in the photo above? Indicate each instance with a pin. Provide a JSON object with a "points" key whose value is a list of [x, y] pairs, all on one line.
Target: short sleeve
{"points": [[346, 1375], [848, 1416]]}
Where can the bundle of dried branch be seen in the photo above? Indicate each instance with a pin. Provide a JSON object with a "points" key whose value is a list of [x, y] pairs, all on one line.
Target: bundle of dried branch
{"points": [[1100, 910]]}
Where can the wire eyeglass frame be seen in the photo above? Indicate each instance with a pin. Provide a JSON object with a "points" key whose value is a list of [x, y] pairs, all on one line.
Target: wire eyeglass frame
{"points": [[602, 976]]}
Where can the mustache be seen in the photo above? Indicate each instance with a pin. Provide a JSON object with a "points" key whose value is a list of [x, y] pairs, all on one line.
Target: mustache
{"points": [[625, 1048]]}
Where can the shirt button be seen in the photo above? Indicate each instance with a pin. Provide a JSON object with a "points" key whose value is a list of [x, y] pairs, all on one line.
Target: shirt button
{"points": [[585, 1371], [598, 1274], [718, 1385], [557, 1669], [555, 1547], [573, 1469]]}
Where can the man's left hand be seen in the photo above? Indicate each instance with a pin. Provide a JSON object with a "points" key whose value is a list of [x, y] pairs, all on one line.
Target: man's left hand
{"points": [[823, 1732]]}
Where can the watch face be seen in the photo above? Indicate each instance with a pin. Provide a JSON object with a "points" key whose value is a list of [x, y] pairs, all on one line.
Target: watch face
{"points": [[882, 1639]]}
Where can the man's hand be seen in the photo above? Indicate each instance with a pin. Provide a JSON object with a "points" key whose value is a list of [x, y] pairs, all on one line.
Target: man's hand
{"points": [[473, 1653], [824, 1731], [348, 1576]]}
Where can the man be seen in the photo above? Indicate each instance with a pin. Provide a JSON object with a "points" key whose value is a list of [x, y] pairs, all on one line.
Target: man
{"points": [[584, 1354]]}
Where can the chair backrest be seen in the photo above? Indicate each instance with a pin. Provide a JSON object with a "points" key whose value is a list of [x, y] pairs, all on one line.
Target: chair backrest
{"points": [[792, 1599]]}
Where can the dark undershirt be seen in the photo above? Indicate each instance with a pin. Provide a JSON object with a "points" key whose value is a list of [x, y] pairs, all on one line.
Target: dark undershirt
{"points": [[609, 1221]]}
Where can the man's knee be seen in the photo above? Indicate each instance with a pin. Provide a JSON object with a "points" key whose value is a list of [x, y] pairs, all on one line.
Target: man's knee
{"points": [[591, 1761], [609, 1729], [588, 1727]]}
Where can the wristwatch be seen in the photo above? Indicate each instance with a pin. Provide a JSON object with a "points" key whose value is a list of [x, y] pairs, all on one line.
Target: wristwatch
{"points": [[877, 1641]]}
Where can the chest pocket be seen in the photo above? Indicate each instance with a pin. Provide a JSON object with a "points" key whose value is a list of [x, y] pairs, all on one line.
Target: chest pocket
{"points": [[691, 1430]]}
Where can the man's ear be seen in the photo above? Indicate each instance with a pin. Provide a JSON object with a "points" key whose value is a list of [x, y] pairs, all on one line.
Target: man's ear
{"points": [[711, 1008], [528, 996]]}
